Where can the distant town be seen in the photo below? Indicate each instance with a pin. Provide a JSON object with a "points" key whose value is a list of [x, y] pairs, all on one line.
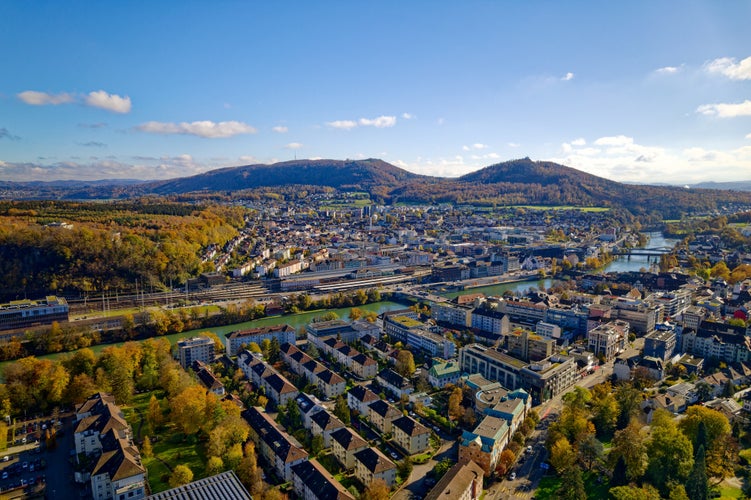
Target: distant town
{"points": [[333, 348]]}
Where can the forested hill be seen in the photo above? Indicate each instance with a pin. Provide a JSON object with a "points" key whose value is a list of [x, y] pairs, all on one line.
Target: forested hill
{"points": [[516, 182], [359, 174]]}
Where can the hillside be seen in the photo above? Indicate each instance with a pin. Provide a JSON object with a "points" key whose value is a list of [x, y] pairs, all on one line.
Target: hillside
{"points": [[360, 174], [515, 182]]}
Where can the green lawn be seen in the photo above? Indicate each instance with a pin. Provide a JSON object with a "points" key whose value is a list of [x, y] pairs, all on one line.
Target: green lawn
{"points": [[548, 487], [727, 492]]}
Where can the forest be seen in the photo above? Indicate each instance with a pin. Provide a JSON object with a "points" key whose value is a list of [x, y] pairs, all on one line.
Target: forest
{"points": [[78, 248]]}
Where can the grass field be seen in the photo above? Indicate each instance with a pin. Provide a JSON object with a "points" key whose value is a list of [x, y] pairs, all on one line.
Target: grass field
{"points": [[171, 448]]}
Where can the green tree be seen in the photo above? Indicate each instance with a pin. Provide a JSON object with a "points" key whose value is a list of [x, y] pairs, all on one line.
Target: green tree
{"points": [[341, 410], [629, 401], [630, 445], [697, 485], [670, 452], [572, 484], [181, 475]]}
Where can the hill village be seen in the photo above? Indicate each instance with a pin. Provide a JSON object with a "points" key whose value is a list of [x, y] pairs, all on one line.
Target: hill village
{"points": [[448, 398]]}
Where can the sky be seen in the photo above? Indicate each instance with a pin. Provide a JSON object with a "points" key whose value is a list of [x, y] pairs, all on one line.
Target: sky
{"points": [[641, 91]]}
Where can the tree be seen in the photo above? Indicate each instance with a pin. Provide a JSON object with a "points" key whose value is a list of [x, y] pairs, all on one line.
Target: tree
{"points": [[405, 363], [604, 409], [629, 400], [629, 444], [505, 462], [341, 410], [316, 444], [619, 476], [248, 471], [562, 455], [670, 452], [455, 409], [180, 475], [234, 456], [404, 468], [697, 485], [572, 484], [214, 466], [678, 492], [591, 450], [632, 492], [442, 467], [188, 409], [154, 415], [254, 348], [377, 490], [146, 450]]}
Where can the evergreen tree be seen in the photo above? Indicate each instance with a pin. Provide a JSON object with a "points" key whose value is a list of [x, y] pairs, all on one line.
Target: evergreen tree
{"points": [[701, 438], [341, 410], [697, 485], [619, 473], [572, 484]]}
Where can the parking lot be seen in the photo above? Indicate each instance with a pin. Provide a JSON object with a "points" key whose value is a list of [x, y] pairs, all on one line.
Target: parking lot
{"points": [[23, 472]]}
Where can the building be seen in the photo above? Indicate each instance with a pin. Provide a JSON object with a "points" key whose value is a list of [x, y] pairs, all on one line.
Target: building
{"points": [[359, 399], [491, 321], [485, 443], [394, 383], [195, 349], [218, 487], [608, 340], [324, 423], [548, 378], [660, 343], [382, 415], [371, 464], [417, 335], [27, 313], [344, 444], [312, 482], [104, 437], [208, 379], [442, 373], [410, 435], [527, 346], [463, 481], [491, 364], [718, 340], [278, 448], [238, 338]]}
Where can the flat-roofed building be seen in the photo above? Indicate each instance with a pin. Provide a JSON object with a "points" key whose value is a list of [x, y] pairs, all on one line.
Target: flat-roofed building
{"points": [[27, 313], [485, 443], [608, 340], [195, 349], [491, 364]]}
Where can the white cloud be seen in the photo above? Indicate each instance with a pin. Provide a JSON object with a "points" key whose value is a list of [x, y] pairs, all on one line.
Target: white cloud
{"points": [[36, 98], [724, 110], [513, 144], [579, 142], [293, 145], [342, 124], [475, 146], [488, 156], [618, 140], [567, 77], [247, 159], [281, 129], [110, 102], [748, 136], [207, 129], [729, 67], [380, 122], [407, 116], [667, 70]]}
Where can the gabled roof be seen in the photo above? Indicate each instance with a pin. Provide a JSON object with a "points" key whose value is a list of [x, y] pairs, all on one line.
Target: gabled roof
{"points": [[384, 409], [326, 421], [348, 439], [458, 479], [279, 442], [410, 426], [319, 480], [373, 460], [120, 460], [330, 377], [363, 394]]}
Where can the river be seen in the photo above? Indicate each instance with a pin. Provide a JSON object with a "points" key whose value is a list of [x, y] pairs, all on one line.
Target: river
{"points": [[628, 263]]}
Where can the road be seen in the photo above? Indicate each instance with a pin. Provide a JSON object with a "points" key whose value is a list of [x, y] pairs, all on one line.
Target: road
{"points": [[415, 486]]}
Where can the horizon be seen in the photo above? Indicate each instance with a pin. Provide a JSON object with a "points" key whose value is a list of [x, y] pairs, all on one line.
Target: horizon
{"points": [[639, 93]]}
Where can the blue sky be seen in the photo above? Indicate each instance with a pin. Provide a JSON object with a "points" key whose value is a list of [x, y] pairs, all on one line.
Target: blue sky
{"points": [[639, 91]]}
